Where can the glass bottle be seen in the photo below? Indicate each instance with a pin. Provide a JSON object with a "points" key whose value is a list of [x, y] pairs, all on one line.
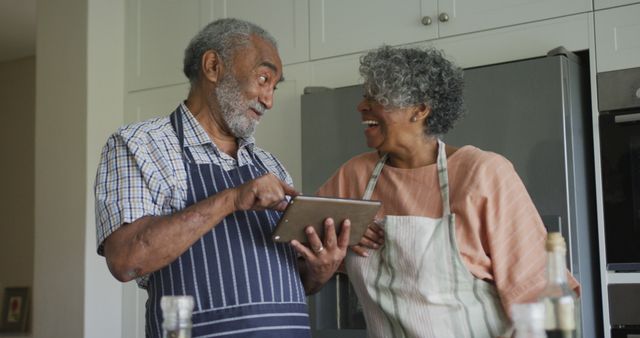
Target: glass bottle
{"points": [[559, 300], [176, 316], [528, 320]]}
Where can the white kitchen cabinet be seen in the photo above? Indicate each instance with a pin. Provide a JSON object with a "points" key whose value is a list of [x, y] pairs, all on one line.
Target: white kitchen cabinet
{"points": [[156, 102], [286, 20], [158, 31], [339, 27], [511, 43], [600, 4], [343, 27], [471, 15], [618, 38], [475, 49]]}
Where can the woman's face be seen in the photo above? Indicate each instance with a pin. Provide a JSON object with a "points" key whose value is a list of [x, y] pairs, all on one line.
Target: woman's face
{"points": [[388, 129]]}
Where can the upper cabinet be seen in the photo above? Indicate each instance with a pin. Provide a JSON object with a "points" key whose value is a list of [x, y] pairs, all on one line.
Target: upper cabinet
{"points": [[600, 4], [345, 26], [158, 31], [156, 34], [463, 16], [286, 20], [341, 27], [617, 38]]}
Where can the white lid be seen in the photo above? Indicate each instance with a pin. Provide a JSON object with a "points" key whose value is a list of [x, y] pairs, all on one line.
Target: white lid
{"points": [[528, 315], [176, 311]]}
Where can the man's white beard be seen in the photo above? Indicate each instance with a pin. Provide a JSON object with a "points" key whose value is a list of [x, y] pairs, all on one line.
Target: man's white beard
{"points": [[234, 107]]}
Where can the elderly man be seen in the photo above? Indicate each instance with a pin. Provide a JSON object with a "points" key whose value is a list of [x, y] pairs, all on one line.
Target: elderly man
{"points": [[185, 204]]}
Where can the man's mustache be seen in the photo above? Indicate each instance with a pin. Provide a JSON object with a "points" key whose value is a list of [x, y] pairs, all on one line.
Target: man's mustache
{"points": [[259, 107]]}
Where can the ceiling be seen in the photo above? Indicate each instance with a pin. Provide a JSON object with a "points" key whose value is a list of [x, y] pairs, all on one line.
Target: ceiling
{"points": [[17, 29]]}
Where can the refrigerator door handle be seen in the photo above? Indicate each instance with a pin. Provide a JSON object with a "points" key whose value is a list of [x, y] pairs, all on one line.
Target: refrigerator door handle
{"points": [[627, 118]]}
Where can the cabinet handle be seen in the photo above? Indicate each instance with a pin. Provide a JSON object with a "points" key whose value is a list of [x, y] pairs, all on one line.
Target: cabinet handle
{"points": [[426, 20], [443, 17]]}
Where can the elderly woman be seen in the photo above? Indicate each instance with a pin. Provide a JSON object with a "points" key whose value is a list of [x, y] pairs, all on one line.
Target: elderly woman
{"points": [[462, 238]]}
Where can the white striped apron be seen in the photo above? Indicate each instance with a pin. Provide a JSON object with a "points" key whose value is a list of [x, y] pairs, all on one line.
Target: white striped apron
{"points": [[416, 285]]}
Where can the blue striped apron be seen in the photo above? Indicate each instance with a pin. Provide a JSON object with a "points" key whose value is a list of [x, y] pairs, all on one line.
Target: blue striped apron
{"points": [[243, 284]]}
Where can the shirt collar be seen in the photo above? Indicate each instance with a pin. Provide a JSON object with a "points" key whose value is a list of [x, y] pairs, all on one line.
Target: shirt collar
{"points": [[194, 133]]}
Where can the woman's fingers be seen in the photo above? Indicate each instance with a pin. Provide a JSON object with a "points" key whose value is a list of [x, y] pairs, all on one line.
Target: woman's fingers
{"points": [[360, 250], [368, 243]]}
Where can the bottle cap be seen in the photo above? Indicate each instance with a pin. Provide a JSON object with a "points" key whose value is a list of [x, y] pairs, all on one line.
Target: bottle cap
{"points": [[555, 241], [176, 311]]}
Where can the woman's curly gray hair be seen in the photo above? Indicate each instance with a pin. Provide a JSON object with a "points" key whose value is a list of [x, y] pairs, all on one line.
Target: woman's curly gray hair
{"points": [[404, 77], [224, 36]]}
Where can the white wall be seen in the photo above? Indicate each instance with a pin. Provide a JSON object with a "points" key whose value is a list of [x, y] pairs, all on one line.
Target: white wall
{"points": [[79, 91], [17, 94], [60, 173], [105, 100]]}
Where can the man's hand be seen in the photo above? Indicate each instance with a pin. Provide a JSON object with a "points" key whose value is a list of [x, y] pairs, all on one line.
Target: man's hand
{"points": [[321, 259], [373, 239], [264, 192]]}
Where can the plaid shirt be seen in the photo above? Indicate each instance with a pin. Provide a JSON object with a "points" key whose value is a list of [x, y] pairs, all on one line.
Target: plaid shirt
{"points": [[141, 171]]}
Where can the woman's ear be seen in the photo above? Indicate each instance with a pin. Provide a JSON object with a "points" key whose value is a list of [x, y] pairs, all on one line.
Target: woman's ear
{"points": [[421, 112], [211, 66]]}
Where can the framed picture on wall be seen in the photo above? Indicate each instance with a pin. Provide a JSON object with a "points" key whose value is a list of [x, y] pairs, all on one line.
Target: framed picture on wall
{"points": [[15, 309]]}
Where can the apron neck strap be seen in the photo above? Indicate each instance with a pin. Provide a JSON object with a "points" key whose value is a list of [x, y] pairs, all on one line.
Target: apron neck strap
{"points": [[176, 119], [374, 176], [176, 123], [443, 177]]}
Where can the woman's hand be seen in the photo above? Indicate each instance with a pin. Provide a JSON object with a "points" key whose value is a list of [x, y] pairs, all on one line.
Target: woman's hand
{"points": [[373, 239]]}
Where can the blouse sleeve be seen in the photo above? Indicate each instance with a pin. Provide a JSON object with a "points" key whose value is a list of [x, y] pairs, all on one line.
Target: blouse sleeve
{"points": [[514, 232]]}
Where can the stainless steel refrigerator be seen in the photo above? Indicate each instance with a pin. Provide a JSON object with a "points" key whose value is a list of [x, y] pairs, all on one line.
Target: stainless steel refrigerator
{"points": [[535, 112]]}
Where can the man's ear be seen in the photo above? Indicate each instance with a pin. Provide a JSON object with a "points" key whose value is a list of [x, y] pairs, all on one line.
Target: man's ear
{"points": [[211, 66]]}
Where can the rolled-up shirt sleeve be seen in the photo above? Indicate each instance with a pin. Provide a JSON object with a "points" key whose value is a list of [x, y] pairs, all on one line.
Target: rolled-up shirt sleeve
{"points": [[127, 186]]}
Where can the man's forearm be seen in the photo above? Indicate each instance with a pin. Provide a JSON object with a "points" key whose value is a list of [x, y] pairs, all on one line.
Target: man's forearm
{"points": [[152, 242]]}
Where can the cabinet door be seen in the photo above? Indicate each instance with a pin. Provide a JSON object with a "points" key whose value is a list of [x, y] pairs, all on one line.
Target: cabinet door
{"points": [[600, 4], [146, 104], [497, 45], [286, 20], [465, 16], [617, 38], [340, 27], [157, 32]]}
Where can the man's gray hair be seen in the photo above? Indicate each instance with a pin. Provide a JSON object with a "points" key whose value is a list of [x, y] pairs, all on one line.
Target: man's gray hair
{"points": [[225, 37], [405, 77]]}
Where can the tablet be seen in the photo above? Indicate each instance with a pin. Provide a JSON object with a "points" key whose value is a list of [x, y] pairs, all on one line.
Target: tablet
{"points": [[304, 210]]}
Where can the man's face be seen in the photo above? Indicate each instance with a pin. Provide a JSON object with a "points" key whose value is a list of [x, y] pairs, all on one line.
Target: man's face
{"points": [[245, 91], [234, 107]]}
